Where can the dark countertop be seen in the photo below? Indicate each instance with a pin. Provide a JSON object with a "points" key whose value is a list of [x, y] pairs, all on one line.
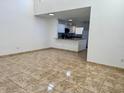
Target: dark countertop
{"points": [[75, 39]]}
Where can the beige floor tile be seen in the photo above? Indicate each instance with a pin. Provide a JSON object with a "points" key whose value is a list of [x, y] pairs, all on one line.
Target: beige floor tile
{"points": [[64, 86], [33, 72], [22, 79], [107, 89]]}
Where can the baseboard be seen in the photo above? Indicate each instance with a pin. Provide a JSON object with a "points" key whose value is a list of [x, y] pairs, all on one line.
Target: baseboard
{"points": [[34, 51], [64, 49], [114, 67], [119, 68], [30, 51]]}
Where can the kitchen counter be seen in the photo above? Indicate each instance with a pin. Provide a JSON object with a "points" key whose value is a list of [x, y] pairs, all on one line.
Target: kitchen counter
{"points": [[76, 44], [70, 39]]}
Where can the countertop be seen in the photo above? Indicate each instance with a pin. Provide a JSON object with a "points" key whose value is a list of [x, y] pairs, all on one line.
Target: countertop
{"points": [[75, 39]]}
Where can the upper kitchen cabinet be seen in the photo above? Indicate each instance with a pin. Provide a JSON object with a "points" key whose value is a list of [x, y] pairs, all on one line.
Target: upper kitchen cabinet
{"points": [[48, 6]]}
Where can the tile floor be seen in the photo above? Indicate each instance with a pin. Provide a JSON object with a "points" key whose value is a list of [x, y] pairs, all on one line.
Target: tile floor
{"points": [[57, 71]]}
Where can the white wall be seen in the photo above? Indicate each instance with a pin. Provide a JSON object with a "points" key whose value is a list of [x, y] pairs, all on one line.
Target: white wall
{"points": [[19, 29], [106, 27], [106, 40], [47, 6]]}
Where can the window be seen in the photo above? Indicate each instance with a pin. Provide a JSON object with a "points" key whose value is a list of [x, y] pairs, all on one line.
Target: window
{"points": [[79, 30]]}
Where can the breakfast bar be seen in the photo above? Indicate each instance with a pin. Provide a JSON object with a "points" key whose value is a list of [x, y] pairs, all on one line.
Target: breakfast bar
{"points": [[76, 44]]}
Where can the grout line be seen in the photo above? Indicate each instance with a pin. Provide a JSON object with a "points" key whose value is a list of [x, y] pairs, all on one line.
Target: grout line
{"points": [[18, 85]]}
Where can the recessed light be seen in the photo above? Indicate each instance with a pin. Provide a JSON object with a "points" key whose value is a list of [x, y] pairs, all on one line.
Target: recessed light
{"points": [[70, 20], [51, 14]]}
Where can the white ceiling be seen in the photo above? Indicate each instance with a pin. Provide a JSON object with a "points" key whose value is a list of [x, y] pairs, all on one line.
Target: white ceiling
{"points": [[82, 14]]}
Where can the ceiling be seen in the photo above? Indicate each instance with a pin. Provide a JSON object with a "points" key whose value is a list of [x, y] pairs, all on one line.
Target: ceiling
{"points": [[77, 15]]}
